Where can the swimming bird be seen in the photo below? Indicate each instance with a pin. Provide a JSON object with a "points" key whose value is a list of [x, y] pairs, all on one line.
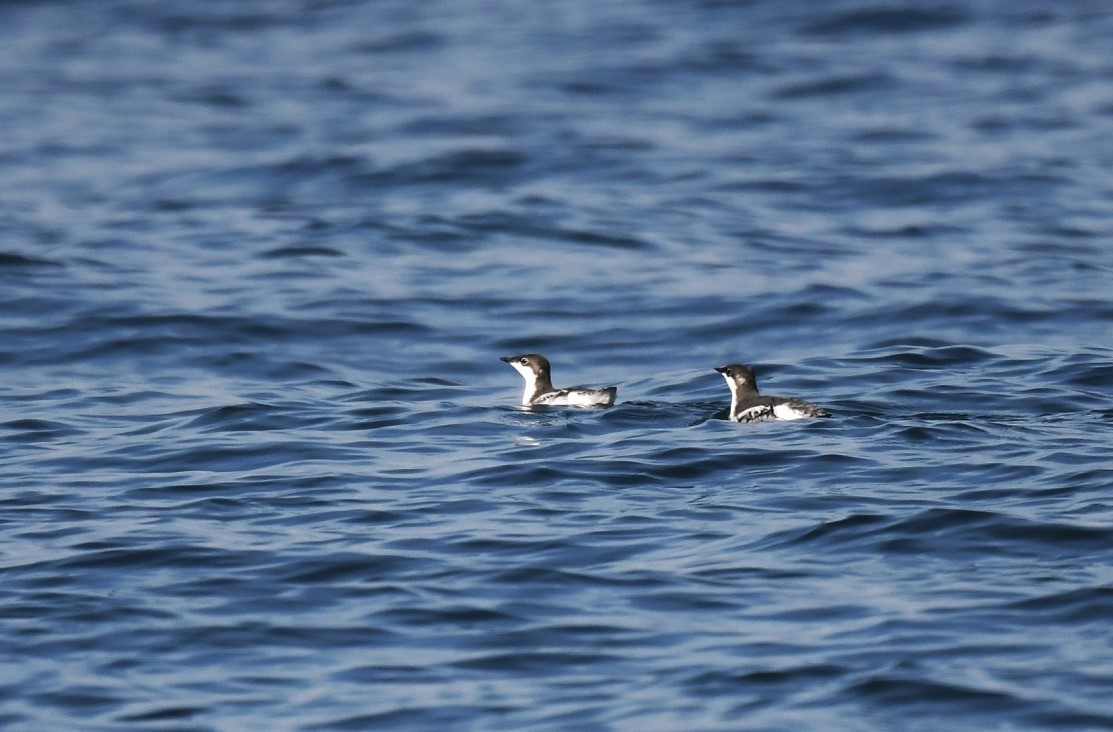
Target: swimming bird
{"points": [[535, 369], [747, 405]]}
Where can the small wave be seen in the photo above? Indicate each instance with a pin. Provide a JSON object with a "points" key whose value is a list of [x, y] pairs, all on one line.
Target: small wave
{"points": [[300, 252], [1070, 607], [928, 694], [948, 531], [506, 223], [885, 21], [95, 556], [408, 42], [475, 166], [165, 713], [36, 430], [12, 260], [836, 85]]}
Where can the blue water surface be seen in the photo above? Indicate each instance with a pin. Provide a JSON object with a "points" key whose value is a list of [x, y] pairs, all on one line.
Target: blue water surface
{"points": [[260, 465]]}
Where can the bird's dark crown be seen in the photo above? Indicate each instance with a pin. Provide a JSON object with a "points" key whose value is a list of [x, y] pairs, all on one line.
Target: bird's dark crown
{"points": [[535, 361], [736, 371]]}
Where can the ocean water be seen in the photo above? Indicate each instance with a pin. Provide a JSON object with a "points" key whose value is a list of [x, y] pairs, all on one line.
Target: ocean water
{"points": [[260, 465]]}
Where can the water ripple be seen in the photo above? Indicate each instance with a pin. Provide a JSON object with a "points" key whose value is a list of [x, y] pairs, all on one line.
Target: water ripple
{"points": [[261, 465]]}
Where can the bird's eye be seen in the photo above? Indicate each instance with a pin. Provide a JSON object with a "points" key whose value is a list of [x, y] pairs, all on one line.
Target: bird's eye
{"points": [[730, 373], [524, 362]]}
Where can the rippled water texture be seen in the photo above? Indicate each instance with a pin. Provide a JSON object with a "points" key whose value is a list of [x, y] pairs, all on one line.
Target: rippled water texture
{"points": [[260, 465]]}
